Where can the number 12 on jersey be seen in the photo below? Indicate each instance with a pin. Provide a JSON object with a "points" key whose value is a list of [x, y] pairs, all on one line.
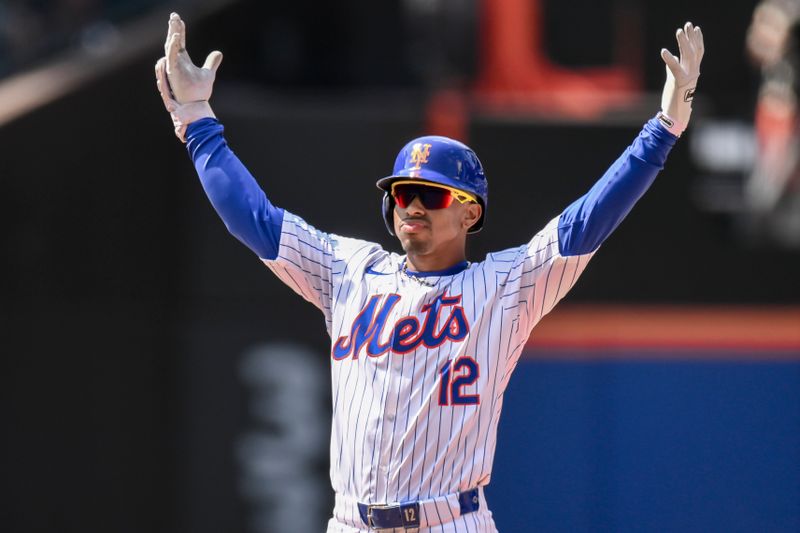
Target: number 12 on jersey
{"points": [[452, 380]]}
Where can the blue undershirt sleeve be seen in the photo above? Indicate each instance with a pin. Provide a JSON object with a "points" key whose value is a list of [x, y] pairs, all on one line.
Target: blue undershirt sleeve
{"points": [[587, 222], [232, 190]]}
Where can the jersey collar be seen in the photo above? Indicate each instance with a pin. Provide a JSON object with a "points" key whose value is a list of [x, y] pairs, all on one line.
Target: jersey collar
{"points": [[455, 269]]}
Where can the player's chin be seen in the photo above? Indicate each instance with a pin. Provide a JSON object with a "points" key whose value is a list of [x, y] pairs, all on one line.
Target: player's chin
{"points": [[414, 244]]}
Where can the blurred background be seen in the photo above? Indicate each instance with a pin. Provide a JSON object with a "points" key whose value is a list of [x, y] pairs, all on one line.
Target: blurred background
{"points": [[155, 377]]}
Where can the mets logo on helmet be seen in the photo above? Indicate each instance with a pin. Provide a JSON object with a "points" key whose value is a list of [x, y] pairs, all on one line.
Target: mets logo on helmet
{"points": [[419, 154]]}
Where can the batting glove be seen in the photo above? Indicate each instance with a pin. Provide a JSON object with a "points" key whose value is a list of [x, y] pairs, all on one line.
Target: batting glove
{"points": [[184, 87], [181, 114], [682, 75]]}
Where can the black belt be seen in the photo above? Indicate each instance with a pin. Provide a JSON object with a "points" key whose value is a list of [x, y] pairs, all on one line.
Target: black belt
{"points": [[406, 515]]}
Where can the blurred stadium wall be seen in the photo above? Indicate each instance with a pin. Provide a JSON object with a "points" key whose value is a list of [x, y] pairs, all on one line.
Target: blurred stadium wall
{"points": [[140, 341]]}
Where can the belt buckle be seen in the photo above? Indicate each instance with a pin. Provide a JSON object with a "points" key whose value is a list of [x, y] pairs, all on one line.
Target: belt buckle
{"points": [[370, 523]]}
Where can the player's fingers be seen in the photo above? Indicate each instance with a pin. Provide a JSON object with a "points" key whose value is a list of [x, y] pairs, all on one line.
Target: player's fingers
{"points": [[182, 31], [683, 43], [159, 67], [163, 85], [688, 29], [691, 38], [672, 62], [698, 42], [172, 51], [213, 61], [174, 24]]}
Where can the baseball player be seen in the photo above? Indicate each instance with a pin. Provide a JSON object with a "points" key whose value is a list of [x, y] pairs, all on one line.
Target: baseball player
{"points": [[422, 344]]}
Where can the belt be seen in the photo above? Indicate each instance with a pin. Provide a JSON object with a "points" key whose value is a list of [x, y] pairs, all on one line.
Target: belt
{"points": [[407, 514]]}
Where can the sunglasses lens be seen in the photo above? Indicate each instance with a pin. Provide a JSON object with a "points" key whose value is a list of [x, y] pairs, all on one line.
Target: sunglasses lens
{"points": [[431, 197]]}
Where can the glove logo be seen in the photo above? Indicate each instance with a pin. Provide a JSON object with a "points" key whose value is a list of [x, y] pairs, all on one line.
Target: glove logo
{"points": [[689, 95], [419, 155]]}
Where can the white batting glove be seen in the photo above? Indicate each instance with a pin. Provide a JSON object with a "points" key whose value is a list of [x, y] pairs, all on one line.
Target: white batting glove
{"points": [[189, 83], [181, 114], [184, 87], [682, 75]]}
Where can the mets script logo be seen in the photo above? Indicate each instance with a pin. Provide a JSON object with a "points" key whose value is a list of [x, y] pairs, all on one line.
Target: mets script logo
{"points": [[407, 333], [419, 154]]}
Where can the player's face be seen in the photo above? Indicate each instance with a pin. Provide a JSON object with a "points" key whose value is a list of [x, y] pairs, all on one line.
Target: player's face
{"points": [[428, 232]]}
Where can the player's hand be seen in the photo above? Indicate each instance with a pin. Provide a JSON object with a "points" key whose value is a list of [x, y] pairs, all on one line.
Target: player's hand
{"points": [[682, 75], [769, 32], [189, 83], [182, 114]]}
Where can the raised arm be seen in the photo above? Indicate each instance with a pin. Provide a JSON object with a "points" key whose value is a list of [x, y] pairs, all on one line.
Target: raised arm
{"points": [[587, 222], [306, 259], [232, 190]]}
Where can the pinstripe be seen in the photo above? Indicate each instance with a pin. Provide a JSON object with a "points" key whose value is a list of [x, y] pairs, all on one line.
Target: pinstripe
{"points": [[402, 442], [422, 398], [495, 398], [416, 421], [303, 291], [494, 382], [452, 518], [396, 416], [381, 419], [376, 442], [516, 350], [309, 274], [344, 428], [338, 296], [299, 253], [558, 285], [478, 432], [394, 432], [428, 427], [448, 445], [439, 516], [350, 368], [438, 447], [475, 519], [461, 429], [308, 244], [320, 287], [462, 412], [373, 486], [546, 286], [344, 272], [384, 462], [369, 411], [485, 523], [479, 325], [512, 280], [361, 364]]}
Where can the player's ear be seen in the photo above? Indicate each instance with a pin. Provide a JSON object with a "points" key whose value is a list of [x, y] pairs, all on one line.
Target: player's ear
{"points": [[472, 214]]}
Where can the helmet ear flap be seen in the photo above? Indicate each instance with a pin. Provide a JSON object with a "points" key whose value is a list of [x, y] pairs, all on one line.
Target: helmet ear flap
{"points": [[387, 208]]}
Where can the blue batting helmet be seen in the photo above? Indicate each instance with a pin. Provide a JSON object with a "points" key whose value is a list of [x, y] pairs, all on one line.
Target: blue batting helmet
{"points": [[440, 160]]}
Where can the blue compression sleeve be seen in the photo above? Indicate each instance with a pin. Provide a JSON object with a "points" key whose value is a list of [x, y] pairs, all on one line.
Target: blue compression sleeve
{"points": [[587, 222], [233, 191]]}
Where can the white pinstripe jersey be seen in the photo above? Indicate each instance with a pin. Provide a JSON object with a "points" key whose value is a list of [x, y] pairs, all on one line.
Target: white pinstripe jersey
{"points": [[419, 365]]}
